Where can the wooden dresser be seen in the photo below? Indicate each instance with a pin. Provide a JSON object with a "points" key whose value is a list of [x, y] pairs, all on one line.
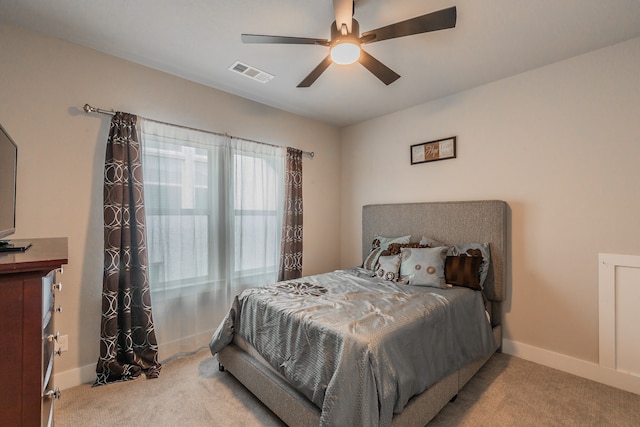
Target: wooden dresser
{"points": [[28, 284]]}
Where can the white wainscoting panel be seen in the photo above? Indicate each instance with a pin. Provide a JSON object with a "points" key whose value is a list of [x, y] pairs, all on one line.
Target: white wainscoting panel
{"points": [[619, 291]]}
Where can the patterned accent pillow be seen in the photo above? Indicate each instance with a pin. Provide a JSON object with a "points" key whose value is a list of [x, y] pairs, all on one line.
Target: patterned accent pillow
{"points": [[463, 270], [394, 248], [379, 244], [424, 266], [372, 259], [475, 249], [388, 267]]}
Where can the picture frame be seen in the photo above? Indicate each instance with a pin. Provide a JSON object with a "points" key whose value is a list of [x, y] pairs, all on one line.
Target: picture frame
{"points": [[440, 149]]}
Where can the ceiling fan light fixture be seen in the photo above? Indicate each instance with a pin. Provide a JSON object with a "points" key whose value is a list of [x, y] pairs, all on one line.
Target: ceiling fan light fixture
{"points": [[345, 46], [345, 53]]}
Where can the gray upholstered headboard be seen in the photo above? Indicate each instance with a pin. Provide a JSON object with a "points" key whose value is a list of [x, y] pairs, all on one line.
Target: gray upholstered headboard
{"points": [[448, 222]]}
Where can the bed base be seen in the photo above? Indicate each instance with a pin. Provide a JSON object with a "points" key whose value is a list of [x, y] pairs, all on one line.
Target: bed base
{"points": [[296, 410]]}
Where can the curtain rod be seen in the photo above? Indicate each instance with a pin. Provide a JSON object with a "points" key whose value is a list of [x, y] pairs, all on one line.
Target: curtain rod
{"points": [[89, 109]]}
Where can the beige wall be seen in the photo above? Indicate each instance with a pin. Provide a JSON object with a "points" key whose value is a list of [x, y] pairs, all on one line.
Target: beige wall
{"points": [[43, 85], [561, 145]]}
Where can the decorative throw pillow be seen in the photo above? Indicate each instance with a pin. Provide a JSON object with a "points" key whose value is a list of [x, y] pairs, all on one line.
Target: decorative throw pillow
{"points": [[379, 244], [430, 243], [424, 266], [475, 249], [384, 242], [372, 259], [394, 248], [388, 267], [463, 270]]}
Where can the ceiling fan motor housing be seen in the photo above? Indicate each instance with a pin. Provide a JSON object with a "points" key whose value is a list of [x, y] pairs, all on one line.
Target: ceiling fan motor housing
{"points": [[353, 36]]}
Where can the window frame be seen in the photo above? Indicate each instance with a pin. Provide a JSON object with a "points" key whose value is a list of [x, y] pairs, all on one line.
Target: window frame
{"points": [[214, 218]]}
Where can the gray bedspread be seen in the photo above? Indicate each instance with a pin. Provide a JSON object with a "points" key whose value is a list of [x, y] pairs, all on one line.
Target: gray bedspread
{"points": [[359, 347]]}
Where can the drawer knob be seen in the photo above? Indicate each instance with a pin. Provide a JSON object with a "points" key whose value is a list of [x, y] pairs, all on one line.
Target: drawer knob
{"points": [[59, 309], [57, 287], [53, 394]]}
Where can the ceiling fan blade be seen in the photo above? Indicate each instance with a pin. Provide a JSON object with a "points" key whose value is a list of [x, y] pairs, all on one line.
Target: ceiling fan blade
{"points": [[313, 76], [381, 71], [344, 13], [259, 38], [440, 20]]}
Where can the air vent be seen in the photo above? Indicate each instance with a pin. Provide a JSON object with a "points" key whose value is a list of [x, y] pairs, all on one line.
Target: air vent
{"points": [[250, 72]]}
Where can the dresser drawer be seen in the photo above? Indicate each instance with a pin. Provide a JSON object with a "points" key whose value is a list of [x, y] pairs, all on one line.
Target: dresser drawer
{"points": [[27, 390], [50, 336]]}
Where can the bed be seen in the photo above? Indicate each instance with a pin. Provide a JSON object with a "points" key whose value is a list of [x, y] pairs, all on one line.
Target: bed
{"points": [[454, 224]]}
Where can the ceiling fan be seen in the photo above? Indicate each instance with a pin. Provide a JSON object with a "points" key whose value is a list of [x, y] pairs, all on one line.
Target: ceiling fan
{"points": [[345, 45]]}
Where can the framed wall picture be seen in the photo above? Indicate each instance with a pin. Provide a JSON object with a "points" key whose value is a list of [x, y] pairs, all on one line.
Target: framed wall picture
{"points": [[431, 151]]}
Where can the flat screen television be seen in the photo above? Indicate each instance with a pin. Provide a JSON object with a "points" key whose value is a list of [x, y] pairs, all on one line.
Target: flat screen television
{"points": [[8, 175]]}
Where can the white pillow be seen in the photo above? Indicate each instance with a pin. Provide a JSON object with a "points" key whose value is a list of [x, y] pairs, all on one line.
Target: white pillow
{"points": [[424, 266], [388, 267]]}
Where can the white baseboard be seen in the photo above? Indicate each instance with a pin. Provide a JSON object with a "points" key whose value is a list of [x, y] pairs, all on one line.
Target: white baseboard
{"points": [[74, 377], [579, 367]]}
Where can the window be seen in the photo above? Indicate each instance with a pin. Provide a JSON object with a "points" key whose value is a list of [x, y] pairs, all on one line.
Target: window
{"points": [[213, 208], [256, 216], [177, 209]]}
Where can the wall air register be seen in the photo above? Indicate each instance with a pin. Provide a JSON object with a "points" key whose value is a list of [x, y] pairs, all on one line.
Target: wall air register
{"points": [[250, 72]]}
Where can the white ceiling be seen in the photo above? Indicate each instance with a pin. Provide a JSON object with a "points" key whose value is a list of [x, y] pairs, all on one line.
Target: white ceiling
{"points": [[200, 39]]}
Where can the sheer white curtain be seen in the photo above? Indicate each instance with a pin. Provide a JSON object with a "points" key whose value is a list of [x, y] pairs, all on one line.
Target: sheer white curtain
{"points": [[214, 208]]}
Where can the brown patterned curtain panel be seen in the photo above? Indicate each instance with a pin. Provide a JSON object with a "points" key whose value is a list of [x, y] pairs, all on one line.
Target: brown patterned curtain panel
{"points": [[291, 246], [128, 345]]}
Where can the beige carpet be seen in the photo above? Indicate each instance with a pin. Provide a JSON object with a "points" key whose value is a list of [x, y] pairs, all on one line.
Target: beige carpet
{"points": [[507, 391]]}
